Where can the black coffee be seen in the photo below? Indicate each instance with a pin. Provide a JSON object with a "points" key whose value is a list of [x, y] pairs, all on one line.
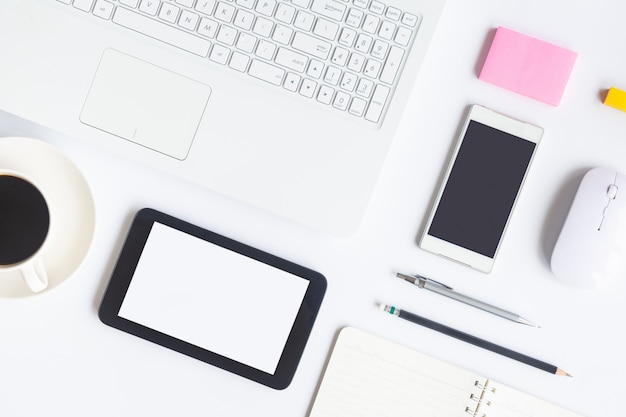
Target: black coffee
{"points": [[24, 219]]}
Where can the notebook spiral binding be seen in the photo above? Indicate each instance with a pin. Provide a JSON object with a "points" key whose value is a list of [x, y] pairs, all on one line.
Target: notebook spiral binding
{"points": [[484, 387], [474, 413], [479, 399]]}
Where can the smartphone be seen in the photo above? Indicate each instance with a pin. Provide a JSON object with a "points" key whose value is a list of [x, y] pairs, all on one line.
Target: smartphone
{"points": [[482, 183]]}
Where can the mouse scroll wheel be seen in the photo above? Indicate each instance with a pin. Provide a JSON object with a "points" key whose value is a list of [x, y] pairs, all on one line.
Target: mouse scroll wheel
{"points": [[611, 192]]}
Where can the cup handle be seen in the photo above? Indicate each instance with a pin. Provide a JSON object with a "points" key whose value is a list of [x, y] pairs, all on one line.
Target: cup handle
{"points": [[34, 274]]}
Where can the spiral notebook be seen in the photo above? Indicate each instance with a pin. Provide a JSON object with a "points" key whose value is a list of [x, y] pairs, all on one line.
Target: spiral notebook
{"points": [[371, 376]]}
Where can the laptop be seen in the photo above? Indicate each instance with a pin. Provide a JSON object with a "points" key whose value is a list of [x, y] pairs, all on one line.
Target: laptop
{"points": [[286, 105]]}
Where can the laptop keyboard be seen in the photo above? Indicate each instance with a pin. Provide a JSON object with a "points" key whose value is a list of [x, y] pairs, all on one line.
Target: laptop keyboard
{"points": [[344, 54]]}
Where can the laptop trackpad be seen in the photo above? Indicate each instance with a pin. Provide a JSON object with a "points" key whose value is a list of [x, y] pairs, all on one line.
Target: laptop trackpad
{"points": [[145, 104]]}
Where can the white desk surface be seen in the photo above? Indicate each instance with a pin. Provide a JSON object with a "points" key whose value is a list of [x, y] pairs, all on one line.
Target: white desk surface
{"points": [[56, 357]]}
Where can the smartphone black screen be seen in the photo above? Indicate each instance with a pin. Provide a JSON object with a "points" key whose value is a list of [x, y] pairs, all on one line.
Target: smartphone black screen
{"points": [[481, 190]]}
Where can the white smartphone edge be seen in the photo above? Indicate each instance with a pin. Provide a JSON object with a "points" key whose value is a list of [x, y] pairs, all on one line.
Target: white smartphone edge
{"points": [[505, 123]]}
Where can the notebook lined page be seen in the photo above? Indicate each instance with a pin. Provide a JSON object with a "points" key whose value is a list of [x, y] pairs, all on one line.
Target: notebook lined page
{"points": [[503, 401], [370, 376]]}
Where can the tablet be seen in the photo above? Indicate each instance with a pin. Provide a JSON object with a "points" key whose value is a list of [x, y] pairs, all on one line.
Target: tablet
{"points": [[213, 298]]}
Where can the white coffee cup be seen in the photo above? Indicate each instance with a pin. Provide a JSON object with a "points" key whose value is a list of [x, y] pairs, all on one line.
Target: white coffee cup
{"points": [[24, 228]]}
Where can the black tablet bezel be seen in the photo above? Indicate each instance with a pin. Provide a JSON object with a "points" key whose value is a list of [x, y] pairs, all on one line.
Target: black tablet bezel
{"points": [[125, 269]]}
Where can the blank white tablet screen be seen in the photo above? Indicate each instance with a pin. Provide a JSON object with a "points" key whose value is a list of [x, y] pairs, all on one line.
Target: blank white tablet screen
{"points": [[213, 298]]}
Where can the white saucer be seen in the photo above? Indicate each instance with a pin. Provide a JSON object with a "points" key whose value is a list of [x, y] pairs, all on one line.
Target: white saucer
{"points": [[71, 228]]}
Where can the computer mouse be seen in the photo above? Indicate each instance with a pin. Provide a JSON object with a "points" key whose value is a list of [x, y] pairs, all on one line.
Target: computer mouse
{"points": [[590, 251]]}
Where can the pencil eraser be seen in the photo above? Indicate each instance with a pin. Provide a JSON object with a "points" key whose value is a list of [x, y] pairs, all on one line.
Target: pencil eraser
{"points": [[528, 66], [616, 98]]}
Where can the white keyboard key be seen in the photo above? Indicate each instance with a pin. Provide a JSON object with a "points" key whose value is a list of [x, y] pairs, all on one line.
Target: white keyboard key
{"points": [[308, 87], [370, 25], [392, 65], [326, 29], [225, 12], [130, 3], [157, 30], [265, 50], [372, 68], [169, 12], [219, 54], [341, 100], [65, 1], [356, 62], [310, 45], [266, 7], [363, 43], [84, 5], [387, 29], [282, 34], [227, 35], [365, 87], [361, 3], [292, 81], [377, 104], [348, 81], [340, 56], [403, 37], [377, 7], [208, 27], [263, 27], [266, 72], [347, 37], [304, 21], [103, 9], [302, 3], [285, 13], [248, 4], [244, 19], [186, 3], [150, 7], [333, 75], [329, 8], [380, 48], [315, 69], [357, 107], [355, 18], [325, 94], [188, 20], [393, 13], [409, 19], [246, 42], [205, 6], [239, 62], [292, 60]]}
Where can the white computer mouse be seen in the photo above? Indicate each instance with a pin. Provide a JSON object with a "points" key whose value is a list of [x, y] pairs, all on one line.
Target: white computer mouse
{"points": [[591, 249]]}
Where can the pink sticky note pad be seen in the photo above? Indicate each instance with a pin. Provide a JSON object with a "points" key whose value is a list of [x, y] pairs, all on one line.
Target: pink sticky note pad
{"points": [[528, 66]]}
